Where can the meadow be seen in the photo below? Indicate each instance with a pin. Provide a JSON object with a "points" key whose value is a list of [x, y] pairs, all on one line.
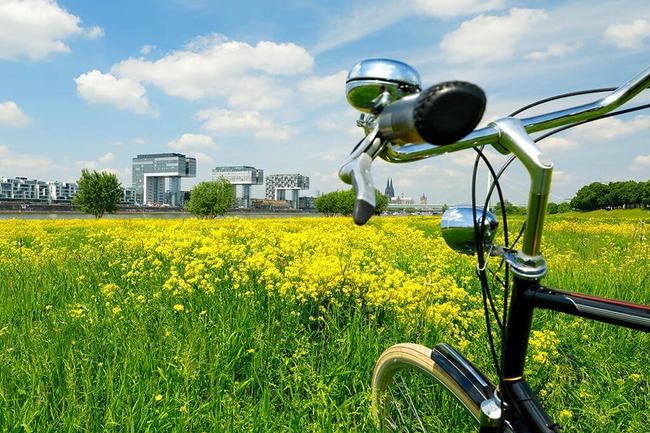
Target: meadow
{"points": [[241, 325]]}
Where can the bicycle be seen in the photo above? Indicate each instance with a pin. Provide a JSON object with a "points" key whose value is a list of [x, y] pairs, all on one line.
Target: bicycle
{"points": [[404, 123]]}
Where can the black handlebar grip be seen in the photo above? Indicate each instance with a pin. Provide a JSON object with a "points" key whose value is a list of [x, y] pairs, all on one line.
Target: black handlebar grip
{"points": [[447, 112]]}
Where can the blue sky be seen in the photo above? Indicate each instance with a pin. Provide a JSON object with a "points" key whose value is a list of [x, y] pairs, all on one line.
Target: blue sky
{"points": [[92, 84]]}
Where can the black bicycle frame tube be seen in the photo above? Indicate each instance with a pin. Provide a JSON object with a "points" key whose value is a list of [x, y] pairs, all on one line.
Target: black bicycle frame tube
{"points": [[522, 409], [629, 315]]}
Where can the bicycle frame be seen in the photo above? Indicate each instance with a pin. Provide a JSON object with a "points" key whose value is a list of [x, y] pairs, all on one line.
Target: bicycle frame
{"points": [[521, 410]]}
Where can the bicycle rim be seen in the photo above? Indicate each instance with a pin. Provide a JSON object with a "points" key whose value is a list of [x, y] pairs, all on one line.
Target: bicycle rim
{"points": [[413, 393]]}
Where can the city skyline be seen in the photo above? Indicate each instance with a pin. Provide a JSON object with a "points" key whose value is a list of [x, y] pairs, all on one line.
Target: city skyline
{"points": [[250, 83]]}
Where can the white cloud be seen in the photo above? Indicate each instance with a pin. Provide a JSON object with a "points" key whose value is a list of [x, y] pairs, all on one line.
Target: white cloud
{"points": [[124, 93], [324, 90], [611, 127], [139, 140], [37, 28], [10, 161], [94, 32], [641, 162], [202, 158], [555, 50], [356, 24], [212, 66], [226, 122], [560, 178], [628, 35], [88, 165], [109, 157], [558, 145], [193, 142], [457, 7], [487, 38], [146, 49], [10, 114]]}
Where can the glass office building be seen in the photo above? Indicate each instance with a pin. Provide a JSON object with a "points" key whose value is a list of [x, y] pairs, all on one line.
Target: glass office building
{"points": [[277, 186], [240, 175], [154, 174]]}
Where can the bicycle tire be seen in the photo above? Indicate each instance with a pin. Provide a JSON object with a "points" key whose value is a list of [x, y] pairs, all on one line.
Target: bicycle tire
{"points": [[454, 406]]}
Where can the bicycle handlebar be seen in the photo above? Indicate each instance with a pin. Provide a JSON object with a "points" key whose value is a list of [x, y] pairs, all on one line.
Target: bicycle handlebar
{"points": [[489, 135], [434, 122]]}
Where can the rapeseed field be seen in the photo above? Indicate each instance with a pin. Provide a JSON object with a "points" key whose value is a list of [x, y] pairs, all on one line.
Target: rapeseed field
{"points": [[132, 325]]}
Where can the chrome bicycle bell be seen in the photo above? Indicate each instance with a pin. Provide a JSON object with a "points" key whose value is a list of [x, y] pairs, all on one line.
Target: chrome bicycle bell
{"points": [[374, 83], [458, 228]]}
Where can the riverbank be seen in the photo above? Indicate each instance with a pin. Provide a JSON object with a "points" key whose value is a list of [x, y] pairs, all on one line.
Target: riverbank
{"points": [[68, 211]]}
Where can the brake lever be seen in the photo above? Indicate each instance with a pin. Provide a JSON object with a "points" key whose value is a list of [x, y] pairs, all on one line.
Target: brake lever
{"points": [[356, 172]]}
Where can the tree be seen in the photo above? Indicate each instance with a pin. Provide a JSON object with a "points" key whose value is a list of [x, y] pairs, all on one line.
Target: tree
{"points": [[564, 207], [342, 203], [510, 208], [98, 193], [211, 199], [551, 208]]}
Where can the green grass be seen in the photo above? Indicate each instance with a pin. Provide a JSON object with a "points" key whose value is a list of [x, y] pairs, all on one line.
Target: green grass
{"points": [[70, 363]]}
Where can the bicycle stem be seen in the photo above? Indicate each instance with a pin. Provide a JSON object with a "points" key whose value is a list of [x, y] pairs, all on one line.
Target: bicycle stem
{"points": [[514, 138]]}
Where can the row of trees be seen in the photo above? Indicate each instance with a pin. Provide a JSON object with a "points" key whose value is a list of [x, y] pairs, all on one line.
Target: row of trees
{"points": [[342, 203], [100, 193], [613, 195]]}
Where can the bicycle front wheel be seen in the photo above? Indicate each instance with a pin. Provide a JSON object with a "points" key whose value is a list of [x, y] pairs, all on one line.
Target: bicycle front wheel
{"points": [[417, 389]]}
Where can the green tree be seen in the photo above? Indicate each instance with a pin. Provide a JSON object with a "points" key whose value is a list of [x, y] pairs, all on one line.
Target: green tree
{"points": [[211, 199], [510, 208], [342, 203], [551, 208], [564, 207], [98, 193]]}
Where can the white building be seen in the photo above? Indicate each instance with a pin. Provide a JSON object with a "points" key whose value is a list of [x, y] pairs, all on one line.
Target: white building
{"points": [[23, 189], [278, 184], [240, 175], [61, 191]]}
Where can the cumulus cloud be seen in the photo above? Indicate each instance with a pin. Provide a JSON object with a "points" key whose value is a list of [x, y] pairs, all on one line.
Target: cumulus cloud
{"points": [[558, 145], [213, 66], [227, 122], [561, 178], [555, 50], [146, 49], [611, 127], [94, 32], [139, 140], [488, 38], [11, 115], [202, 158], [123, 93], [628, 35], [37, 28], [193, 142], [10, 161], [109, 157], [641, 162], [324, 90]]}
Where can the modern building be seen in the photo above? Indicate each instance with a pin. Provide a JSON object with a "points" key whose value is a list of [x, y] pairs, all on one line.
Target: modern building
{"points": [[240, 175], [24, 189], [151, 172], [129, 195], [61, 191], [307, 203], [277, 186]]}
